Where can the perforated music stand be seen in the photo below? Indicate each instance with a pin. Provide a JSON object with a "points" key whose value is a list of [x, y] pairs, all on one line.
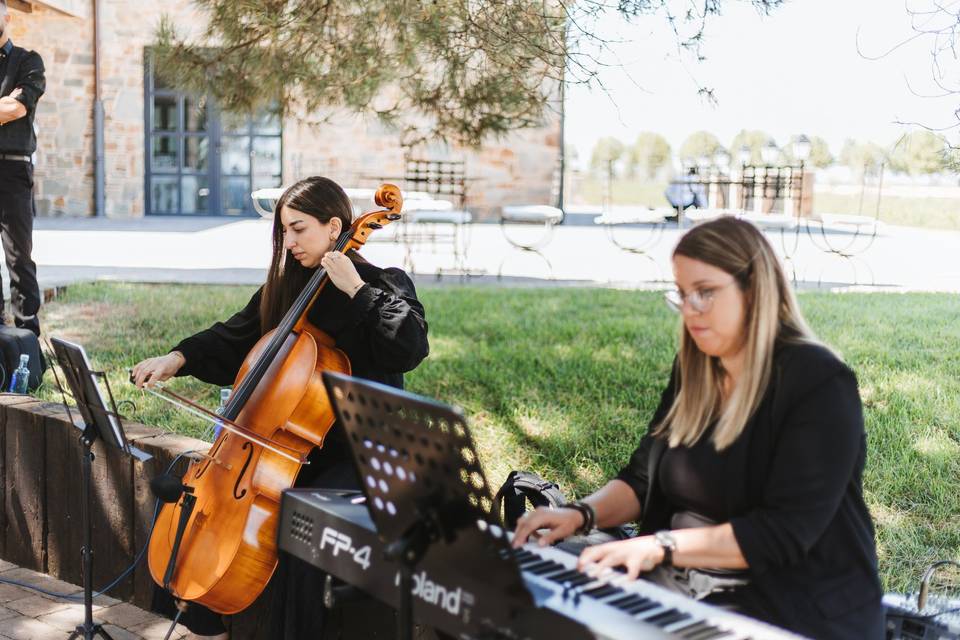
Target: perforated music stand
{"points": [[100, 420], [424, 485]]}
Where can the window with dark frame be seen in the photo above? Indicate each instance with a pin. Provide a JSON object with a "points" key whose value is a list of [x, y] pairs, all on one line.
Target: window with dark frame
{"points": [[201, 161]]}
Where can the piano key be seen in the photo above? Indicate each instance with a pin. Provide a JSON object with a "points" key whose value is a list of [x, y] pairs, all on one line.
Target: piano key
{"points": [[640, 607], [667, 618], [692, 631], [603, 591], [539, 567], [712, 634], [626, 601], [566, 575]]}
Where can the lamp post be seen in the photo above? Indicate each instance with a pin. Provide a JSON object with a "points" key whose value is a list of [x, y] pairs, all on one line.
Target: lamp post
{"points": [[721, 159], [744, 155], [801, 151], [770, 153]]}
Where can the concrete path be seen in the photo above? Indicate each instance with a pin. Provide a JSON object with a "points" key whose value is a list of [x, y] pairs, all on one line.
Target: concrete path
{"points": [[218, 250], [28, 615]]}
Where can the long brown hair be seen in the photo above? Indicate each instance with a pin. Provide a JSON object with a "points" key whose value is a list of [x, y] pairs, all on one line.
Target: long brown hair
{"points": [[740, 249], [316, 196]]}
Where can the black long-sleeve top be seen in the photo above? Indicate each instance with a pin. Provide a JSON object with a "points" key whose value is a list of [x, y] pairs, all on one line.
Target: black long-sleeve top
{"points": [[383, 331], [793, 488], [21, 69]]}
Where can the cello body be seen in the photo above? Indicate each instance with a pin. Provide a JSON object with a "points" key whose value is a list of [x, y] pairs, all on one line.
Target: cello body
{"points": [[228, 549]]}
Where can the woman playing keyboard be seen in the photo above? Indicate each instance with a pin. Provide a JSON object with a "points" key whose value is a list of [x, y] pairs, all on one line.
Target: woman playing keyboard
{"points": [[748, 483]]}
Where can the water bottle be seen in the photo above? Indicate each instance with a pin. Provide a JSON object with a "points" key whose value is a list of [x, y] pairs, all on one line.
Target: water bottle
{"points": [[21, 377], [224, 397]]}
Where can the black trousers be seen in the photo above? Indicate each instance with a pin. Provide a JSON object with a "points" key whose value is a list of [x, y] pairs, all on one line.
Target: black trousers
{"points": [[16, 234]]}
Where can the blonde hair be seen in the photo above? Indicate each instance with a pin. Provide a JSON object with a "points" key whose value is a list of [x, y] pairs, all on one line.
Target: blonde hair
{"points": [[772, 315]]}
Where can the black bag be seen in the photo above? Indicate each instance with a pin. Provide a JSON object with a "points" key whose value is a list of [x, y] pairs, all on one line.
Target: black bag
{"points": [[520, 488], [14, 342]]}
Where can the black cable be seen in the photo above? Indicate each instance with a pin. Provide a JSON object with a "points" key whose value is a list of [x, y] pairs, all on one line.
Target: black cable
{"points": [[118, 579]]}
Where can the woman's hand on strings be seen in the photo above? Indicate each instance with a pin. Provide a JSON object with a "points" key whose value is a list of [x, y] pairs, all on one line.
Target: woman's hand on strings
{"points": [[342, 272], [152, 370]]}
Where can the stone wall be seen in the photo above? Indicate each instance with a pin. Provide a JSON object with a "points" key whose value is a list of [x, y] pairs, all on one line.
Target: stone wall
{"points": [[517, 169]]}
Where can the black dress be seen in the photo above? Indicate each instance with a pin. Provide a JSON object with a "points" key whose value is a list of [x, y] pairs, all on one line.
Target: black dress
{"points": [[791, 486], [383, 331]]}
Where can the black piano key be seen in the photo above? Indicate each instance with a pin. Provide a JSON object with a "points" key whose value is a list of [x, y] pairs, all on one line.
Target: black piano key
{"points": [[692, 631], [539, 565], [626, 601], [602, 591], [667, 618], [565, 576], [555, 573], [540, 568], [579, 580], [640, 607], [711, 634]]}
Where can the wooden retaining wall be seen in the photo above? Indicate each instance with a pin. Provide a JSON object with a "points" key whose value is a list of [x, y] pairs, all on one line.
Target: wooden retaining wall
{"points": [[40, 505]]}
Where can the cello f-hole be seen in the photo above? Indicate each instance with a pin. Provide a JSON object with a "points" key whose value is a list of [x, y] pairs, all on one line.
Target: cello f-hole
{"points": [[237, 492]]}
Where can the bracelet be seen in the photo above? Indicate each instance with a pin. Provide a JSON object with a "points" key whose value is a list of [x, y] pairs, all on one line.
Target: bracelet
{"points": [[357, 288], [588, 513]]}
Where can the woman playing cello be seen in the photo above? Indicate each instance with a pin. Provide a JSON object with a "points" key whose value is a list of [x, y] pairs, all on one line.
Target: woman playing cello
{"points": [[372, 314]]}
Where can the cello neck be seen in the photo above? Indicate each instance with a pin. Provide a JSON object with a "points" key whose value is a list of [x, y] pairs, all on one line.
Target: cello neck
{"points": [[291, 320], [389, 197]]}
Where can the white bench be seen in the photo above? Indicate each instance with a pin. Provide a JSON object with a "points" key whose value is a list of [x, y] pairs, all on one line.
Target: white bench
{"points": [[529, 215], [648, 225]]}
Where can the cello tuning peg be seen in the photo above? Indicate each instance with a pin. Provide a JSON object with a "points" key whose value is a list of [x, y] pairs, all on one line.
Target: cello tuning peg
{"points": [[393, 217], [374, 225]]}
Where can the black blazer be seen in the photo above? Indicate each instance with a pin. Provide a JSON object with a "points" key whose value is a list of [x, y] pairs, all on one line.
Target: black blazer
{"points": [[794, 488], [23, 69]]}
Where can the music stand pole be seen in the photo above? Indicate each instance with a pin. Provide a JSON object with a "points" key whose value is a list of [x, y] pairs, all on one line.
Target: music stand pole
{"points": [[408, 551], [88, 630]]}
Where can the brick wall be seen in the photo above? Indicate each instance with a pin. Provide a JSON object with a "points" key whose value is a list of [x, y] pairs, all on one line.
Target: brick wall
{"points": [[518, 169]]}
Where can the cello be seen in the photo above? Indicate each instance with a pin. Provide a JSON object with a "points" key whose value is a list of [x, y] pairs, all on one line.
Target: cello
{"points": [[216, 543]]}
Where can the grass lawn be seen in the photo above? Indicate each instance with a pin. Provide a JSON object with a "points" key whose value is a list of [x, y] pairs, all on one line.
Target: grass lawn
{"points": [[563, 381], [930, 213]]}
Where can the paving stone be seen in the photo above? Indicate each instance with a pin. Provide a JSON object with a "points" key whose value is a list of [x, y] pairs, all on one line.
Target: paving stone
{"points": [[41, 580], [10, 592], [126, 615], [6, 566], [24, 628], [99, 602], [157, 630], [67, 619], [120, 634], [7, 613], [36, 606]]}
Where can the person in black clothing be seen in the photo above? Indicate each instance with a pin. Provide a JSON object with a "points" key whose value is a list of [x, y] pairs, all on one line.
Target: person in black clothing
{"points": [[21, 85], [373, 315], [748, 483]]}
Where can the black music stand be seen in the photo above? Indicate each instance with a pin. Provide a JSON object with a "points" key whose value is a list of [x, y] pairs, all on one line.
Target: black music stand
{"points": [[98, 421], [424, 485]]}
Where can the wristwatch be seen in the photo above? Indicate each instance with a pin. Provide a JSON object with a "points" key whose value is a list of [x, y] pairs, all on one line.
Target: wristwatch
{"points": [[669, 544]]}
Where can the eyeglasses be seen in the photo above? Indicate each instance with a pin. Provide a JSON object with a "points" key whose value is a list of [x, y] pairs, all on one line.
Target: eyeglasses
{"points": [[701, 300]]}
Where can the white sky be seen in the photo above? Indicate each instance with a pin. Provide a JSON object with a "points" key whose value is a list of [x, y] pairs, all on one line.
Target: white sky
{"points": [[795, 71]]}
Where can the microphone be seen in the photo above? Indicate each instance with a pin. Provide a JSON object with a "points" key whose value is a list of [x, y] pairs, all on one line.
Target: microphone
{"points": [[168, 488]]}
